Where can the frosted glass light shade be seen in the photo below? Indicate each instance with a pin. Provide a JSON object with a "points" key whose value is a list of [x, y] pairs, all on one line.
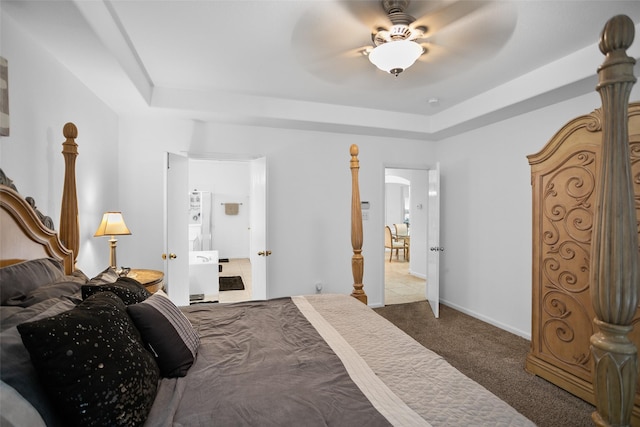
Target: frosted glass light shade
{"points": [[395, 56]]}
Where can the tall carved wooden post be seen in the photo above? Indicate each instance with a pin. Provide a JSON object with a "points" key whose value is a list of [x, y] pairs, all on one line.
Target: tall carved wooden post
{"points": [[614, 248], [69, 223], [357, 261]]}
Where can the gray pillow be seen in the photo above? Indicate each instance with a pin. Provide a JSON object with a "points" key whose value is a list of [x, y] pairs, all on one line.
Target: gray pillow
{"points": [[17, 370], [18, 280], [24, 314], [16, 410], [167, 333], [67, 285]]}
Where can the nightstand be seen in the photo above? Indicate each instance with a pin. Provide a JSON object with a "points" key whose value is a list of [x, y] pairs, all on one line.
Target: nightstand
{"points": [[153, 280]]}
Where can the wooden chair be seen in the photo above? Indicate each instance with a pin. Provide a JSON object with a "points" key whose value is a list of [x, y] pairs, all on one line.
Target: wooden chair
{"points": [[402, 235], [390, 243], [401, 230]]}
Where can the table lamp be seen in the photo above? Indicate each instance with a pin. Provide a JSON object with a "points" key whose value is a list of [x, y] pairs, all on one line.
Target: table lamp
{"points": [[112, 225]]}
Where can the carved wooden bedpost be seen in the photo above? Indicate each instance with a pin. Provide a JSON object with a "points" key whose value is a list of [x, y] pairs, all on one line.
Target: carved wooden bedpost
{"points": [[69, 223], [357, 261], [614, 248]]}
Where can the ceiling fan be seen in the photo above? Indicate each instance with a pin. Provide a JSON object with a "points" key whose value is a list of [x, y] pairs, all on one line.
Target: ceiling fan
{"points": [[396, 47], [334, 39]]}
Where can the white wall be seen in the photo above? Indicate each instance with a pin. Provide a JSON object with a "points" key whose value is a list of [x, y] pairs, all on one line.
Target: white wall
{"points": [[43, 96], [308, 191], [394, 199], [486, 213], [418, 213]]}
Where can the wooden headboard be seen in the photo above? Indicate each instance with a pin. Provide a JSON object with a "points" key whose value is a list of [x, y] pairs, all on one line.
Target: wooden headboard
{"points": [[28, 234]]}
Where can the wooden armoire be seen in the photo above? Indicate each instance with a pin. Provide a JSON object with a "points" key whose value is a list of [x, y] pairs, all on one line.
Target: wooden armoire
{"points": [[563, 184]]}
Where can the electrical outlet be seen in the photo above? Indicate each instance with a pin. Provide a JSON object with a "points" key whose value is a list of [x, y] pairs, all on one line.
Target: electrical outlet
{"points": [[365, 216], [318, 287]]}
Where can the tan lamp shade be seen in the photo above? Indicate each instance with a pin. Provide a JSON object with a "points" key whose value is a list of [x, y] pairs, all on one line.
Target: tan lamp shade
{"points": [[112, 225]]}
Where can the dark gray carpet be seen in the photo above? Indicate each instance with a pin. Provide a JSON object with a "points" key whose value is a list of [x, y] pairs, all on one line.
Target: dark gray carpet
{"points": [[492, 357]]}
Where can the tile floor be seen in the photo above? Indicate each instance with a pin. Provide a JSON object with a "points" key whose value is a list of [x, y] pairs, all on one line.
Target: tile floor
{"points": [[400, 286]]}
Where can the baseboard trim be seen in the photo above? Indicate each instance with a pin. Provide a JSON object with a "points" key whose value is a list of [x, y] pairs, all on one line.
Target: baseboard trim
{"points": [[523, 334]]}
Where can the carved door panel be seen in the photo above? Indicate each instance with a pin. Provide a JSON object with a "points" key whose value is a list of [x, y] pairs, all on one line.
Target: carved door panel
{"points": [[563, 184], [564, 195]]}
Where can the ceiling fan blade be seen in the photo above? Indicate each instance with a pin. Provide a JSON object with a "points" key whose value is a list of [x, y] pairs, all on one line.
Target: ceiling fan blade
{"points": [[350, 68], [326, 32], [438, 63], [438, 15], [478, 34], [368, 12]]}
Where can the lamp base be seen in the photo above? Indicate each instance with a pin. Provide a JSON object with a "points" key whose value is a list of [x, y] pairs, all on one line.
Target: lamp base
{"points": [[112, 257]]}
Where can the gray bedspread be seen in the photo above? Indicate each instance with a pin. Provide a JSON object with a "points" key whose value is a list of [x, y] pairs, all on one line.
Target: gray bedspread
{"points": [[261, 363], [316, 361]]}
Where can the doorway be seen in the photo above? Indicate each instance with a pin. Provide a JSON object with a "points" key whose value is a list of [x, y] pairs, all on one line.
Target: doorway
{"points": [[232, 235], [406, 193], [220, 225]]}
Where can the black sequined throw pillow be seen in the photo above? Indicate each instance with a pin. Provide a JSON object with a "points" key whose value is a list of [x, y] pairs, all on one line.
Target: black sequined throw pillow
{"points": [[129, 290], [93, 364]]}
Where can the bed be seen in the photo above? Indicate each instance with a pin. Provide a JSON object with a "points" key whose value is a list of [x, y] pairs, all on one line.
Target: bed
{"points": [[105, 351]]}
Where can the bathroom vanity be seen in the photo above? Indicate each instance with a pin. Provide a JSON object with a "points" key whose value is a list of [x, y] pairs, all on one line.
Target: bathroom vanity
{"points": [[203, 276]]}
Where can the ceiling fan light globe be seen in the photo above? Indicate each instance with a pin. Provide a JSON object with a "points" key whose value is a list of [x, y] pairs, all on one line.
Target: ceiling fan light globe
{"points": [[394, 55]]}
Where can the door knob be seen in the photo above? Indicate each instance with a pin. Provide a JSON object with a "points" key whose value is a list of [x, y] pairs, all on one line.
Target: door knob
{"points": [[264, 253], [171, 256]]}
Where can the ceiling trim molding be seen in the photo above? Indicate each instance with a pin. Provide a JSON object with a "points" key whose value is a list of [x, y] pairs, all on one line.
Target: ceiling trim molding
{"points": [[105, 23]]}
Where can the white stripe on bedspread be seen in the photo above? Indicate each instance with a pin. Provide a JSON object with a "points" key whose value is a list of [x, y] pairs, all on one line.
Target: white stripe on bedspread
{"points": [[381, 397], [422, 379]]}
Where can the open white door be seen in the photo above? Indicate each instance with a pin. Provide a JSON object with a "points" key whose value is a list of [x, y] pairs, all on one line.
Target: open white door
{"points": [[258, 252], [433, 242], [176, 241]]}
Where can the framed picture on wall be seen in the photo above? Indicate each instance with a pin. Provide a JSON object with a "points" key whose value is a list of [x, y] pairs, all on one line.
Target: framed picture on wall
{"points": [[4, 97]]}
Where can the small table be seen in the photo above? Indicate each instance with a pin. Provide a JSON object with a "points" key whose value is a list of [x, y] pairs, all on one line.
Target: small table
{"points": [[153, 280]]}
